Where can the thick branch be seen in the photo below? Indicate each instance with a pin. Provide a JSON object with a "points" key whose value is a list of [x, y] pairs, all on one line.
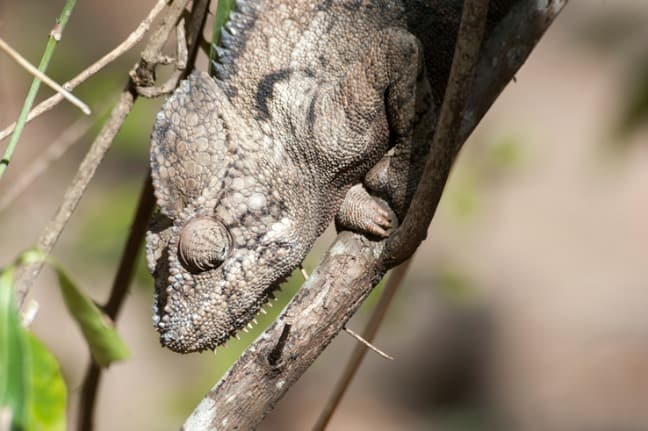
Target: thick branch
{"points": [[353, 264]]}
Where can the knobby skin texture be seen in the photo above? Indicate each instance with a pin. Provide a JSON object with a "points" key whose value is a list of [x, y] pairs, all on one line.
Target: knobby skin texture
{"points": [[318, 110]]}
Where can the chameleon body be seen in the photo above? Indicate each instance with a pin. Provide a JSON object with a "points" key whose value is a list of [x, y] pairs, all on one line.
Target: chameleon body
{"points": [[318, 108]]}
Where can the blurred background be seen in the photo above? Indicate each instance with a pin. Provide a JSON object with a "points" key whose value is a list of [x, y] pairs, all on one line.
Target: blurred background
{"points": [[525, 309]]}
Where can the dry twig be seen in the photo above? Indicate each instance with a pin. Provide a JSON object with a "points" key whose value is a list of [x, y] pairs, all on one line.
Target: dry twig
{"points": [[70, 136], [360, 350], [22, 61]]}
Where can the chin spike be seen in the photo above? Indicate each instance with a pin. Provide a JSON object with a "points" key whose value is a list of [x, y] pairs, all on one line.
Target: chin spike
{"points": [[303, 272], [263, 311]]}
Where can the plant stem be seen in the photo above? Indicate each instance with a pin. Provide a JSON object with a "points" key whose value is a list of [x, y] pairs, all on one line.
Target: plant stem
{"points": [[120, 286]]}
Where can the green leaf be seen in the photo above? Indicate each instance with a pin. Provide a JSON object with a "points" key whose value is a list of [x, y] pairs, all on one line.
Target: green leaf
{"points": [[14, 361], [31, 385], [48, 391], [98, 330]]}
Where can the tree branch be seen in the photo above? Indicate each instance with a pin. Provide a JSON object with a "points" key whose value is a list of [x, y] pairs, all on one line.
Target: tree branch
{"points": [[360, 350], [353, 265]]}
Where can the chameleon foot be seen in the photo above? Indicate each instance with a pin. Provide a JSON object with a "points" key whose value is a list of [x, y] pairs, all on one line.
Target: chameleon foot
{"points": [[363, 213]]}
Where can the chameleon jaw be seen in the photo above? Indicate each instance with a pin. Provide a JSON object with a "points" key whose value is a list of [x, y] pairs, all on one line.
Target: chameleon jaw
{"points": [[184, 326]]}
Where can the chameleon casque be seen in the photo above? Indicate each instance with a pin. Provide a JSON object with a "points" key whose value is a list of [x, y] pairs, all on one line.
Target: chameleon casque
{"points": [[317, 108]]}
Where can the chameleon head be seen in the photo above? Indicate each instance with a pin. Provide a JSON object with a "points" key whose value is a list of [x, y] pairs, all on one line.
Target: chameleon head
{"points": [[223, 238], [212, 279]]}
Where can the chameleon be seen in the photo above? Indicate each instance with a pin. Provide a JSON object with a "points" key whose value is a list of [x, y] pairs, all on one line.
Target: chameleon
{"points": [[318, 111]]}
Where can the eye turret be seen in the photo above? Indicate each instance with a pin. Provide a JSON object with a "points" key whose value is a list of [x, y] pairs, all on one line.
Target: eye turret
{"points": [[203, 244]]}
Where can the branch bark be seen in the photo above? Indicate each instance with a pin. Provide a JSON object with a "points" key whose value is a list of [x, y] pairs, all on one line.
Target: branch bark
{"points": [[353, 265]]}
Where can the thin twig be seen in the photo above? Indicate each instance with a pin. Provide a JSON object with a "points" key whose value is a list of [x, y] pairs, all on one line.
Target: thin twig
{"points": [[367, 344], [404, 241], [462, 71], [127, 44], [70, 136], [121, 283], [55, 36], [27, 274], [22, 61], [393, 283]]}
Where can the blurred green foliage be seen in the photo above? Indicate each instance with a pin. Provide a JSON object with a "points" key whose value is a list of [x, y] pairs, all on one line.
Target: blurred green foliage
{"points": [[48, 389], [98, 330], [454, 285], [467, 418], [634, 110], [31, 385], [620, 32], [488, 162]]}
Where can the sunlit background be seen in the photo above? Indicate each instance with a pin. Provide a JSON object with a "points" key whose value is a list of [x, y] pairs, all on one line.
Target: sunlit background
{"points": [[525, 309]]}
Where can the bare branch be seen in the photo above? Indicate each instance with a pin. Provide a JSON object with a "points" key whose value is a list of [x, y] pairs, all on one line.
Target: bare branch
{"points": [[121, 282], [127, 44], [325, 302]]}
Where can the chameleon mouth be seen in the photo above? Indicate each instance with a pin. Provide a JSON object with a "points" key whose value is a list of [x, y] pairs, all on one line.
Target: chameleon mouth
{"points": [[186, 330]]}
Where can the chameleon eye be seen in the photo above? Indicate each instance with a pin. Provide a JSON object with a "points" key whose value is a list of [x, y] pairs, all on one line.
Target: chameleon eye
{"points": [[203, 244]]}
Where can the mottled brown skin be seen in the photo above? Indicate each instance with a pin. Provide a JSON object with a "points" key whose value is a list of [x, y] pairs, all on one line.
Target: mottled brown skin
{"points": [[318, 107]]}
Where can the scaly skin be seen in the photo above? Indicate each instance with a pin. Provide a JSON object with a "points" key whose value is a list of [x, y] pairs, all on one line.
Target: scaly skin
{"points": [[318, 107]]}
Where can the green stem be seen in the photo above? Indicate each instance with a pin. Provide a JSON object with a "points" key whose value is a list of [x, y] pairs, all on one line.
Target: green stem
{"points": [[55, 36]]}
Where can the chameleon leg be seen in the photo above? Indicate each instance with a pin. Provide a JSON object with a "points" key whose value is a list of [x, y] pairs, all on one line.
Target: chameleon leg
{"points": [[410, 115]]}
